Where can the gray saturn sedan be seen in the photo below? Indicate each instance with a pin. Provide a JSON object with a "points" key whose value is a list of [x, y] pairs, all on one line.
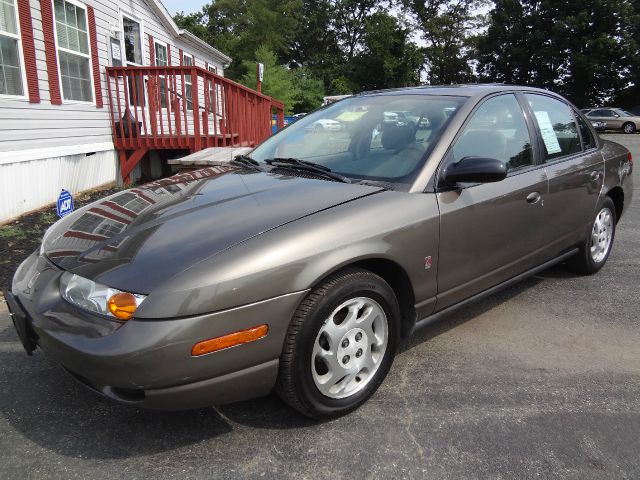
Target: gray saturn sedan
{"points": [[300, 266]]}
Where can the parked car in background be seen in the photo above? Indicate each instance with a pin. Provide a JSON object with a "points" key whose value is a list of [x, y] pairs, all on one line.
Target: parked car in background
{"points": [[300, 266], [614, 119], [325, 124]]}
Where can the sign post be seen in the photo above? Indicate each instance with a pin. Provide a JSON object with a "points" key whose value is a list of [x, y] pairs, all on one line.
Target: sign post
{"points": [[259, 75], [65, 204]]}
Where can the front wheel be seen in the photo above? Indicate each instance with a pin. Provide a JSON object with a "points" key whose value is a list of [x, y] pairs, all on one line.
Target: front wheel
{"points": [[596, 248], [629, 127], [339, 345]]}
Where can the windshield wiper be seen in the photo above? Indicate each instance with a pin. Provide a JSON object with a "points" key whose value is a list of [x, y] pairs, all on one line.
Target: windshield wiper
{"points": [[247, 162], [305, 166], [374, 183]]}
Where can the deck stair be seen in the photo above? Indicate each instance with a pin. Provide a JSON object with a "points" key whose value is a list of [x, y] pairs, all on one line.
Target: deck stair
{"points": [[208, 157], [184, 108]]}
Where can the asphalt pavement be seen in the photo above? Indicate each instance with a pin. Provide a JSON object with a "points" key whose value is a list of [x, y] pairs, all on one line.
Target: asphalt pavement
{"points": [[542, 380]]}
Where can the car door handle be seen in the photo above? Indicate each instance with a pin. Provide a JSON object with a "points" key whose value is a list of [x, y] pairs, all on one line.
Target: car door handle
{"points": [[595, 175], [533, 197]]}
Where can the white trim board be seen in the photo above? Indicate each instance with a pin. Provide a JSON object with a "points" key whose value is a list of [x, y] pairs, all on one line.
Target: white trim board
{"points": [[17, 156]]}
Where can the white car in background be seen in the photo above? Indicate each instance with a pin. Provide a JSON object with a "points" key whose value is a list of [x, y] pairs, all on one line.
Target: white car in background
{"points": [[325, 124]]}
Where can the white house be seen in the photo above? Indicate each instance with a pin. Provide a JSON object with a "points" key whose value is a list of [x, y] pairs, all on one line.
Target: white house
{"points": [[68, 107]]}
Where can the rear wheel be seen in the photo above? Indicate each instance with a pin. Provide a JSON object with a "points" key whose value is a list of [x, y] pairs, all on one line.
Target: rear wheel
{"points": [[596, 248], [339, 345], [628, 127]]}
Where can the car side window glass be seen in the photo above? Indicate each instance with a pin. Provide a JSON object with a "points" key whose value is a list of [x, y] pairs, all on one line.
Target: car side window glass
{"points": [[585, 132], [497, 129], [556, 124]]}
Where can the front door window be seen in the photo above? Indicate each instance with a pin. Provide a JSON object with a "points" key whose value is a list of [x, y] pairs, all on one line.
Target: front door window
{"points": [[497, 130]]}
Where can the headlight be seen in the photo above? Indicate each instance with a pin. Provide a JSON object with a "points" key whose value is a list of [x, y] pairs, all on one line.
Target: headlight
{"points": [[98, 298]]}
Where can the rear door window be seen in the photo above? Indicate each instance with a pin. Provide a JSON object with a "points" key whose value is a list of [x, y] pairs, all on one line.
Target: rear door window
{"points": [[556, 125], [585, 132]]}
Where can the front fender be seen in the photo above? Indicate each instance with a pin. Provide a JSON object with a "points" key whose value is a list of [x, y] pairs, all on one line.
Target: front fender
{"points": [[397, 226]]}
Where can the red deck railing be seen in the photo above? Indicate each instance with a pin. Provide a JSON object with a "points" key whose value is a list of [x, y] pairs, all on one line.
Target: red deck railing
{"points": [[184, 108]]}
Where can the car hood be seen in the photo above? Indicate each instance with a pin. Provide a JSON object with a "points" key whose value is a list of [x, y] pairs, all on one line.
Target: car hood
{"points": [[136, 239]]}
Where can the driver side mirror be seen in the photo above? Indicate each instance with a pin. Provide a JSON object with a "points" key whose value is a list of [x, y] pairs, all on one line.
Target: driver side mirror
{"points": [[475, 170]]}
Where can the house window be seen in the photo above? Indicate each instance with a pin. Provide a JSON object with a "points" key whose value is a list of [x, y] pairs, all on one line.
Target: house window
{"points": [[187, 61], [162, 61], [74, 59], [215, 95], [132, 32], [161, 55], [132, 40], [10, 59]]}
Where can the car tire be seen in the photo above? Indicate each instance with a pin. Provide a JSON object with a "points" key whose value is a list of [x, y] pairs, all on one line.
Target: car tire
{"points": [[329, 365], [629, 127], [595, 249]]}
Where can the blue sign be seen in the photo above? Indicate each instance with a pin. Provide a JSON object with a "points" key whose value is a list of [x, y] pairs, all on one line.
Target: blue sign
{"points": [[65, 204]]}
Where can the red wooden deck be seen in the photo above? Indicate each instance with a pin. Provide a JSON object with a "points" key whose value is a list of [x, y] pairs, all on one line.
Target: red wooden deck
{"points": [[185, 107]]}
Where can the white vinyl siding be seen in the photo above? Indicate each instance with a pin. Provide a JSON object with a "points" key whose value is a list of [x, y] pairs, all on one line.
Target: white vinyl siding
{"points": [[38, 127], [11, 64], [72, 43]]}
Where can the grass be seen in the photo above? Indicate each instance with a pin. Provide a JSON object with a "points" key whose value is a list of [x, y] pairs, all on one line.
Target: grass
{"points": [[12, 232]]}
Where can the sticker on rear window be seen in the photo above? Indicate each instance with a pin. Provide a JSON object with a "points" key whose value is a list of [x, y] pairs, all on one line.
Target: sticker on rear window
{"points": [[548, 134]]}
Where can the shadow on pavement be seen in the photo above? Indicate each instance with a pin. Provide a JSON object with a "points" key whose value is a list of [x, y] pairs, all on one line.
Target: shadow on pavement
{"points": [[471, 311], [48, 407]]}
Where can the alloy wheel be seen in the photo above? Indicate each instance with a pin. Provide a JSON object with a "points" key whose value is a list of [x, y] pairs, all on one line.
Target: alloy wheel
{"points": [[349, 347], [601, 235]]}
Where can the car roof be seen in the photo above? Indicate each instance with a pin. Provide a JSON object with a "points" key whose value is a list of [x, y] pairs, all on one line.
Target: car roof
{"points": [[462, 90]]}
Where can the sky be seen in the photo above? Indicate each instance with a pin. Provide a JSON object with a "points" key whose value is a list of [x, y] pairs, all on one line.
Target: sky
{"points": [[187, 6]]}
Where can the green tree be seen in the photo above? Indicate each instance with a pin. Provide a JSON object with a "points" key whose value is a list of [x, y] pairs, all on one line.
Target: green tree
{"points": [[278, 80], [448, 28], [240, 27], [582, 53], [388, 59], [308, 90]]}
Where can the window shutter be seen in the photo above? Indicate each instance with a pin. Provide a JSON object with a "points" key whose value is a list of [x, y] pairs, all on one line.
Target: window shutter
{"points": [[95, 61], [51, 56], [168, 54], [181, 54], [29, 51], [152, 52]]}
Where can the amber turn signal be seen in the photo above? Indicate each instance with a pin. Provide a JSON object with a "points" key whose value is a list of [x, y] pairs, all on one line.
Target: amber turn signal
{"points": [[122, 305], [237, 338]]}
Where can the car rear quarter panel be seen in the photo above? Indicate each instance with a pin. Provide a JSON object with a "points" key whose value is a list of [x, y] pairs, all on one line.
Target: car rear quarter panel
{"points": [[397, 226], [617, 170]]}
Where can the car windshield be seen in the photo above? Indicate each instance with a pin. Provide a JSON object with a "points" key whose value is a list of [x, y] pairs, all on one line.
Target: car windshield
{"points": [[624, 113], [375, 138]]}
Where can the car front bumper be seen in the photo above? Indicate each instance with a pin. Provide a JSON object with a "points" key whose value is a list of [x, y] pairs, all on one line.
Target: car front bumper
{"points": [[148, 363]]}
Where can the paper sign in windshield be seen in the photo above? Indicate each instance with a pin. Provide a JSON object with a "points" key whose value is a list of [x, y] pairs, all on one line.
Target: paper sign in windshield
{"points": [[548, 134]]}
